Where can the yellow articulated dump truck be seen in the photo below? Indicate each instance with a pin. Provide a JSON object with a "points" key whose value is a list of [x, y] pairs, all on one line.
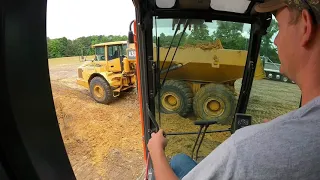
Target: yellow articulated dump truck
{"points": [[111, 72], [201, 79]]}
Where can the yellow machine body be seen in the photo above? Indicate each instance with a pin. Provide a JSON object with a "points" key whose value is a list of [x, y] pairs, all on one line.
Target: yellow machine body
{"points": [[206, 64], [112, 64]]}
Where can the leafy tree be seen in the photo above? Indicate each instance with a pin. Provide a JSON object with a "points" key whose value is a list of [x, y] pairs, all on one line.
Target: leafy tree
{"points": [[70, 49], [267, 47], [57, 47], [183, 39], [230, 35], [165, 41], [63, 47], [199, 34]]}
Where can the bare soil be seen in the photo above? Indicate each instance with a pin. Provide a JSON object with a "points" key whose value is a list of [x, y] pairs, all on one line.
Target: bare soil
{"points": [[102, 141]]}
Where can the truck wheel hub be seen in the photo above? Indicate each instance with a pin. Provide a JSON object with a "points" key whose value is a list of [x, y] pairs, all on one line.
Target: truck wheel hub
{"points": [[170, 101], [98, 91], [214, 107]]}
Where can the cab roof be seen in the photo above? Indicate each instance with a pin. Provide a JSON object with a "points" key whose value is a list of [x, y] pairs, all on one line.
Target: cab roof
{"points": [[231, 6], [110, 43]]}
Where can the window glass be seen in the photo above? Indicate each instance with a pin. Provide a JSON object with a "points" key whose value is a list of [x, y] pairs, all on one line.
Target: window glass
{"points": [[113, 52], [100, 53], [196, 80]]}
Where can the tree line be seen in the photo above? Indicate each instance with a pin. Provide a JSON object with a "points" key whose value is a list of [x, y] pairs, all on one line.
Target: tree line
{"points": [[63, 47], [229, 33]]}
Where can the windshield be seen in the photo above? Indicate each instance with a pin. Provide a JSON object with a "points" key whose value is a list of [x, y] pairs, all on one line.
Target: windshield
{"points": [[100, 53], [199, 67], [100, 50]]}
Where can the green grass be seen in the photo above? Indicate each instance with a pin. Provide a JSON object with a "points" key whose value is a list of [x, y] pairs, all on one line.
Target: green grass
{"points": [[66, 61], [270, 99]]}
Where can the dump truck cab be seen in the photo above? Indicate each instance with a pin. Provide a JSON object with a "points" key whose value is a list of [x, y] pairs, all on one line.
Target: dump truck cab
{"points": [[112, 53], [111, 71]]}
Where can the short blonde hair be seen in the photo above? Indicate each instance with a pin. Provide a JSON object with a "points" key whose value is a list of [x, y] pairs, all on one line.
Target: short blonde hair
{"points": [[295, 15]]}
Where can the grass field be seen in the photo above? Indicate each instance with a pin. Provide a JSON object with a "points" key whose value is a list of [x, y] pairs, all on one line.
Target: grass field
{"points": [[270, 99], [105, 141], [66, 61]]}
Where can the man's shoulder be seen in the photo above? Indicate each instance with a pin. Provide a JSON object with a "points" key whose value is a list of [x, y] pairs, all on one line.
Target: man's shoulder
{"points": [[256, 130], [284, 131]]}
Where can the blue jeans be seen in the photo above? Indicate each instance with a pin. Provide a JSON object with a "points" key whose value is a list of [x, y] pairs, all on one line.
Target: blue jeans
{"points": [[182, 164]]}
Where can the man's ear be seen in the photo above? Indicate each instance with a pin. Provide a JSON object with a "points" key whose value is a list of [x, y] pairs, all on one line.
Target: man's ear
{"points": [[307, 27]]}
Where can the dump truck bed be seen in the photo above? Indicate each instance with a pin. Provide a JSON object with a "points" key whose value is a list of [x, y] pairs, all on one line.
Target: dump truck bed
{"points": [[215, 65]]}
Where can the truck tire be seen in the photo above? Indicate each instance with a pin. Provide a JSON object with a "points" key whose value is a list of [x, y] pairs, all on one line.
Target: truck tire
{"points": [[285, 79], [176, 97], [215, 102], [100, 90]]}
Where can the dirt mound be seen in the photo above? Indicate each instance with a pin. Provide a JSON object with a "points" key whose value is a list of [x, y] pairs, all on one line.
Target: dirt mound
{"points": [[205, 46]]}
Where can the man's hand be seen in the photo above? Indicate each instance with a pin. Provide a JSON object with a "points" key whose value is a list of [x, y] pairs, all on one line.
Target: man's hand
{"points": [[157, 143], [156, 146], [265, 120]]}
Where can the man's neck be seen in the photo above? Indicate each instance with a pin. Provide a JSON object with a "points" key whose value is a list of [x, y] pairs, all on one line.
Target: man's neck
{"points": [[309, 95], [309, 79]]}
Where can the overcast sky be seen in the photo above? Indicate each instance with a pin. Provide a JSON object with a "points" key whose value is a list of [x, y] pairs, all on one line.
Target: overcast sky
{"points": [[76, 18]]}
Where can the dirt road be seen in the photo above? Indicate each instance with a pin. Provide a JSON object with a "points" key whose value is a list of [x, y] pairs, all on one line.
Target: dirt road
{"points": [[103, 142]]}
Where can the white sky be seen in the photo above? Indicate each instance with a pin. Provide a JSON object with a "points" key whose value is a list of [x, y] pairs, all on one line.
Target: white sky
{"points": [[76, 18]]}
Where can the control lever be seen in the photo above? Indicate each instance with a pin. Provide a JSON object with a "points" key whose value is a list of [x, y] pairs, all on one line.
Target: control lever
{"points": [[202, 124], [154, 122], [157, 128]]}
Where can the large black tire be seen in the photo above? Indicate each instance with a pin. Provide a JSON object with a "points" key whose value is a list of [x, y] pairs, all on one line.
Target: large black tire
{"points": [[215, 102], [101, 91], [176, 97]]}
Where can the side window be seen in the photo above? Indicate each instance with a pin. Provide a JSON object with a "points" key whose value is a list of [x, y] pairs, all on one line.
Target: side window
{"points": [[274, 94], [100, 54], [113, 52]]}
